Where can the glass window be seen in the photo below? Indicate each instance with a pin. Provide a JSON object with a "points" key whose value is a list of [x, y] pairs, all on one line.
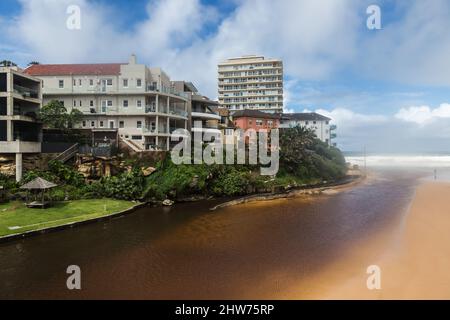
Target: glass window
{"points": [[61, 84], [138, 83], [139, 124], [91, 82], [109, 82], [92, 124], [121, 124], [125, 103], [101, 124], [139, 104], [125, 83]]}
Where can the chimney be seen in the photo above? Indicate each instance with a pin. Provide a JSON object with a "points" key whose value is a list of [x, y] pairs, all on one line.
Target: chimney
{"points": [[132, 59]]}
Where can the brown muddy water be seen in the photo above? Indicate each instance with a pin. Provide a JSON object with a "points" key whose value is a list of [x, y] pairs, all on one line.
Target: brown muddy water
{"points": [[259, 250]]}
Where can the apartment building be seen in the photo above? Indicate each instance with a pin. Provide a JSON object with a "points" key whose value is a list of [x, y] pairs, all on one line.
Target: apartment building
{"points": [[256, 120], [20, 101], [251, 82], [203, 116], [313, 121], [137, 101]]}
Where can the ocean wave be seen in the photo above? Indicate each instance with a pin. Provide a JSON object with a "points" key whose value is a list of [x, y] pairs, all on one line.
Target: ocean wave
{"points": [[401, 161]]}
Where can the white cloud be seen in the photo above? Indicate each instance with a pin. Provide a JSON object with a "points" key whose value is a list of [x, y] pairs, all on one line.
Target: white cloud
{"points": [[171, 36], [424, 114]]}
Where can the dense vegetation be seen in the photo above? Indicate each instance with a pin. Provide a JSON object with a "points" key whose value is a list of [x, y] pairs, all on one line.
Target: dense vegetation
{"points": [[55, 116], [303, 160]]}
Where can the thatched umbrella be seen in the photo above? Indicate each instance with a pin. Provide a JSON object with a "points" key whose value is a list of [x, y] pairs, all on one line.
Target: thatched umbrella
{"points": [[40, 185]]}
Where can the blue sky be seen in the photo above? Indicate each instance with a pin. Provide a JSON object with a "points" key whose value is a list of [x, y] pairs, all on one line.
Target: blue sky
{"points": [[386, 89]]}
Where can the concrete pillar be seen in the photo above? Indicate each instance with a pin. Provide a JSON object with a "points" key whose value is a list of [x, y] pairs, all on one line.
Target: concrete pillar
{"points": [[9, 131], [168, 104], [19, 164], [9, 82], [157, 103], [9, 105]]}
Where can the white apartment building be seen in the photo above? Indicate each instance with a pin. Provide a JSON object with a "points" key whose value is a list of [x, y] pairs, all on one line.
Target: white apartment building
{"points": [[318, 123], [251, 82], [133, 99], [20, 101]]}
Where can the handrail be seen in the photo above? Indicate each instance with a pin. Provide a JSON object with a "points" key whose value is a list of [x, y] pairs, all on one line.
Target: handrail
{"points": [[67, 154]]}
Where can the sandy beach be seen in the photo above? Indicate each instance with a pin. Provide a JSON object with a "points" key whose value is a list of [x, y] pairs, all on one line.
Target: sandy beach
{"points": [[414, 257]]}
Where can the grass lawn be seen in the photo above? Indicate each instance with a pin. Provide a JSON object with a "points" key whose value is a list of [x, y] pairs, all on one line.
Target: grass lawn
{"points": [[15, 217]]}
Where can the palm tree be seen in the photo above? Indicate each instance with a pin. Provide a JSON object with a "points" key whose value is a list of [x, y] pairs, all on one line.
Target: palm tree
{"points": [[7, 63], [32, 63]]}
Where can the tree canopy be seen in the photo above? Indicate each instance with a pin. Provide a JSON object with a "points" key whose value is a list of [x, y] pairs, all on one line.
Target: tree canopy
{"points": [[55, 116]]}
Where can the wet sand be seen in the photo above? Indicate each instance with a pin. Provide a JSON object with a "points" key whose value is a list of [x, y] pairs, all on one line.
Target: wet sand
{"points": [[414, 259]]}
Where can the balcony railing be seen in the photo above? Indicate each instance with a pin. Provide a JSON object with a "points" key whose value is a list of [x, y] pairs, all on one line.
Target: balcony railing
{"points": [[179, 113], [26, 92], [166, 90]]}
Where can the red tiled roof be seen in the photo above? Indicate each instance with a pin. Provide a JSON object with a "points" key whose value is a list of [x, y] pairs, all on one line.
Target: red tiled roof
{"points": [[74, 69]]}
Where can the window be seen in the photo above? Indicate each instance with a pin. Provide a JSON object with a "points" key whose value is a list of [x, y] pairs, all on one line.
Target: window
{"points": [[125, 103], [81, 103], [270, 123], [61, 84], [139, 103], [74, 103], [250, 122], [61, 102], [74, 82], [92, 124], [101, 124], [139, 124], [125, 83], [327, 122], [136, 137], [314, 122], [109, 103], [109, 82], [259, 122], [91, 103], [91, 82], [83, 123], [138, 83], [121, 124], [80, 82]]}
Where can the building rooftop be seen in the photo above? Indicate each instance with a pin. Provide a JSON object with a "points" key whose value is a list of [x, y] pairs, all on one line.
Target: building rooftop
{"points": [[74, 69], [255, 114], [305, 116]]}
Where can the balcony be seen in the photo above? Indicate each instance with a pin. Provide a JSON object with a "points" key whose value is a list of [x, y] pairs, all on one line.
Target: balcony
{"points": [[180, 113], [333, 136], [155, 131], [333, 127], [20, 146], [166, 90], [26, 92], [25, 112]]}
